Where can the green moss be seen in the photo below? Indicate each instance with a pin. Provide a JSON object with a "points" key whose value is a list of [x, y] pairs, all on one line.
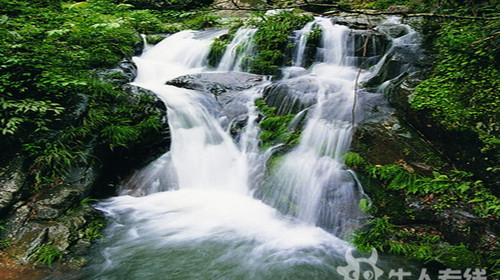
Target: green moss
{"points": [[274, 128]]}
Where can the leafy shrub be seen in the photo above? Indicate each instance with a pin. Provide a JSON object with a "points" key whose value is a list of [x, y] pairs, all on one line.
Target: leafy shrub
{"points": [[393, 231], [47, 61], [171, 4]]}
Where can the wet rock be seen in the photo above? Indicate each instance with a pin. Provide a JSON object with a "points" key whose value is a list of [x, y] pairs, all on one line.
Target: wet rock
{"points": [[399, 92], [369, 43], [224, 90], [400, 61], [28, 234], [14, 222], [124, 72], [57, 201], [12, 177], [136, 95], [291, 96], [29, 239], [369, 47], [390, 141], [218, 82], [393, 30]]}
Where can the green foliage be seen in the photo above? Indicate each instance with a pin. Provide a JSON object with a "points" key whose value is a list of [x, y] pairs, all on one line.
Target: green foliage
{"points": [[272, 39], [391, 186], [455, 7], [47, 59], [55, 156], [47, 254], [202, 21], [381, 234], [87, 200], [462, 93], [448, 189], [384, 4], [35, 114], [275, 128], [166, 4], [92, 231], [354, 160], [364, 205]]}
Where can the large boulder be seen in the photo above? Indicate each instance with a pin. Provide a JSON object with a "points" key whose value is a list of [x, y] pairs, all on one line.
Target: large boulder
{"points": [[391, 141], [226, 90], [218, 82]]}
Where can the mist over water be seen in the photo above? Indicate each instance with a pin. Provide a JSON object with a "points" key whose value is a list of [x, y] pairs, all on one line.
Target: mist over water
{"points": [[208, 208]]}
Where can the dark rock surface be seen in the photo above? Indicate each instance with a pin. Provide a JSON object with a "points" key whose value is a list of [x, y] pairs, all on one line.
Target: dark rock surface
{"points": [[218, 82], [291, 96]]}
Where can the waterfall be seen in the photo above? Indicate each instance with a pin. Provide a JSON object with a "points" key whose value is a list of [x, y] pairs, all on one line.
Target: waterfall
{"points": [[334, 42], [317, 187], [301, 43], [202, 210], [239, 48]]}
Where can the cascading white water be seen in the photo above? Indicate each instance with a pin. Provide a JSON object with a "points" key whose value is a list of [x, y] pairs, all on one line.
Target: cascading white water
{"points": [[240, 47], [301, 43], [193, 214], [206, 213], [318, 188]]}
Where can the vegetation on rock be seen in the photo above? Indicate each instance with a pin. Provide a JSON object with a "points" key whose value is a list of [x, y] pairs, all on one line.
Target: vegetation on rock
{"points": [[461, 95], [275, 128], [403, 200]]}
